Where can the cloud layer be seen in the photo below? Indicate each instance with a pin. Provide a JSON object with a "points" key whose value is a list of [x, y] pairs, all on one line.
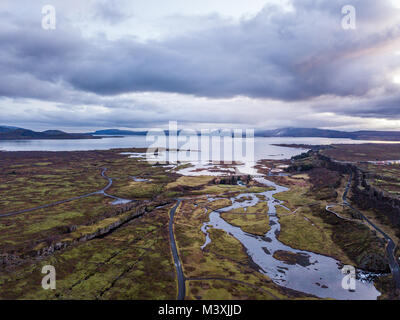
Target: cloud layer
{"points": [[291, 58]]}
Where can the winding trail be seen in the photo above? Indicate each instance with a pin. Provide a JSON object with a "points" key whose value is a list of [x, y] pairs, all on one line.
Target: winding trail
{"points": [[102, 192], [178, 264], [391, 246]]}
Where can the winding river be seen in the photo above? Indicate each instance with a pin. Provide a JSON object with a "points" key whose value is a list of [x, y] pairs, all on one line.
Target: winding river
{"points": [[320, 275]]}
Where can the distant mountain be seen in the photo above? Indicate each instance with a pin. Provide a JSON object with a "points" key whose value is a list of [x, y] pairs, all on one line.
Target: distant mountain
{"points": [[378, 135], [303, 132], [322, 133], [7, 129], [117, 132], [15, 133], [283, 132]]}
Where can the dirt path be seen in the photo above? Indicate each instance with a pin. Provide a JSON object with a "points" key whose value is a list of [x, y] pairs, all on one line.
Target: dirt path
{"points": [[102, 192]]}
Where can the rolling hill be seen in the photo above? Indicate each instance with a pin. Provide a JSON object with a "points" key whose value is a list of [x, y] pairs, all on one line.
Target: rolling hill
{"points": [[15, 133]]}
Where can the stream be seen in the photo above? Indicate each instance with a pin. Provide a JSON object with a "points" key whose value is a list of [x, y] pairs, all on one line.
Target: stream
{"points": [[314, 274]]}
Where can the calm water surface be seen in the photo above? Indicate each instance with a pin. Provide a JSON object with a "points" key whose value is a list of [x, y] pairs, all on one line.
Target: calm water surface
{"points": [[263, 147]]}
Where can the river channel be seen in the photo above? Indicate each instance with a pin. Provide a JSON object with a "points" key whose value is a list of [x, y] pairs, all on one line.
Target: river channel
{"points": [[316, 274]]}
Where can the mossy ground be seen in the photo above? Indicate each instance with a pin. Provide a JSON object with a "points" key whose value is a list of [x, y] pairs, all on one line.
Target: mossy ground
{"points": [[228, 189], [310, 227], [190, 181], [224, 258], [225, 290], [25, 231], [134, 262], [25, 182], [257, 224]]}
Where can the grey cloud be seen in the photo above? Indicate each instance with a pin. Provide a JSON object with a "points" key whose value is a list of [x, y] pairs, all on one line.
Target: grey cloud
{"points": [[111, 12], [287, 56], [381, 106]]}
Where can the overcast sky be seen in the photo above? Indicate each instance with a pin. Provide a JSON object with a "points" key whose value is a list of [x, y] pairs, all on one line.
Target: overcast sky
{"points": [[204, 63]]}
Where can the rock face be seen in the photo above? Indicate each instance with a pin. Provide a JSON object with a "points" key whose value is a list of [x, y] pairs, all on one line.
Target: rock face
{"points": [[374, 262], [76, 234], [365, 195], [233, 179], [133, 213], [7, 259], [292, 258]]}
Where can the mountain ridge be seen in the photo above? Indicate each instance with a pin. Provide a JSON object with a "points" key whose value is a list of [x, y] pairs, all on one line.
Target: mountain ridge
{"points": [[16, 133], [325, 133], [292, 132]]}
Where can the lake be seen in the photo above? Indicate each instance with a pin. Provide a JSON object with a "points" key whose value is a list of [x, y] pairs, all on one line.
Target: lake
{"points": [[264, 148]]}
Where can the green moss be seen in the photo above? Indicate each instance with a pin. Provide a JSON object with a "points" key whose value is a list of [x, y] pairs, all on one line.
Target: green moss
{"points": [[224, 290], [134, 262], [257, 224], [225, 188], [190, 181]]}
